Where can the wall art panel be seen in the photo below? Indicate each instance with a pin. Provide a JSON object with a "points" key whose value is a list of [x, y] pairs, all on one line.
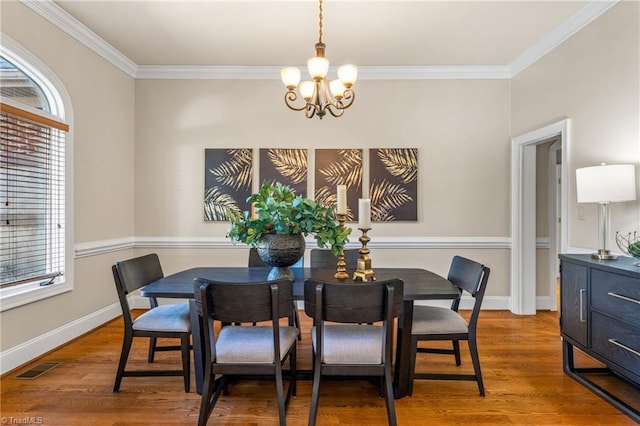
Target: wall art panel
{"points": [[227, 182], [339, 167], [287, 166], [393, 184]]}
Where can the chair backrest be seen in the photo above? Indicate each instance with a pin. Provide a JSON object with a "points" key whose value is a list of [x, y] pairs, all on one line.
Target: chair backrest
{"points": [[132, 274], [472, 277], [255, 261], [353, 302], [241, 302], [244, 302], [324, 258]]}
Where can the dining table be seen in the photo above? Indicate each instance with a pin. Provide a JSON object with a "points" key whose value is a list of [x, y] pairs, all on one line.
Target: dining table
{"points": [[419, 284]]}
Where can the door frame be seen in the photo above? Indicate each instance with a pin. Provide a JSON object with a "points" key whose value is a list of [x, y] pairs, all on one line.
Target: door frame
{"points": [[523, 226]]}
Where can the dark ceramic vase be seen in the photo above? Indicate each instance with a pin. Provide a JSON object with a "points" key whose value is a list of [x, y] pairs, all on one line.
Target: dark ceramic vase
{"points": [[280, 251]]}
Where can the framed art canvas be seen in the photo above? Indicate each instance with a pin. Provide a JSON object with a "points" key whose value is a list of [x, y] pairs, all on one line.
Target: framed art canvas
{"points": [[287, 166], [393, 184], [227, 182], [339, 167]]}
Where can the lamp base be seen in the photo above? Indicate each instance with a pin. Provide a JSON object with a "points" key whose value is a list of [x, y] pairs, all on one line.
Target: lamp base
{"points": [[604, 255]]}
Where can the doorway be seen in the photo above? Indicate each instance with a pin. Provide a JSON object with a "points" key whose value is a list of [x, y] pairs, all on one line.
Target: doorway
{"points": [[523, 299]]}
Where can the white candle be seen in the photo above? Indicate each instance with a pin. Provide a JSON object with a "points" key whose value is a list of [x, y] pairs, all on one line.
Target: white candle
{"points": [[342, 199], [364, 206]]}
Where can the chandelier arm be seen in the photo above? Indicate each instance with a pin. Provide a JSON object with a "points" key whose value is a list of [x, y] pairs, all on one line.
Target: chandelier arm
{"points": [[348, 98], [290, 97]]}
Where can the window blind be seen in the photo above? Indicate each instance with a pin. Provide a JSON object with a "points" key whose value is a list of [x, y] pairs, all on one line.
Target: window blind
{"points": [[32, 191]]}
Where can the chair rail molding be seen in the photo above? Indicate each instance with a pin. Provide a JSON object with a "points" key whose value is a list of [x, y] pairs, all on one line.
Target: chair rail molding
{"points": [[95, 248]]}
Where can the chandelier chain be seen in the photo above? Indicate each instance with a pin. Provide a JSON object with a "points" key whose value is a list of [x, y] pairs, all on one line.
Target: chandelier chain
{"points": [[320, 23]]}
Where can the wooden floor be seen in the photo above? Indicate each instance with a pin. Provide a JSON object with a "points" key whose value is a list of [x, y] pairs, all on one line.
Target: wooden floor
{"points": [[520, 357]]}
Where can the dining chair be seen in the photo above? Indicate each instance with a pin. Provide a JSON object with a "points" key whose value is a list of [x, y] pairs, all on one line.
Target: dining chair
{"points": [[431, 323], [245, 350], [170, 321], [343, 343], [256, 261], [324, 258]]}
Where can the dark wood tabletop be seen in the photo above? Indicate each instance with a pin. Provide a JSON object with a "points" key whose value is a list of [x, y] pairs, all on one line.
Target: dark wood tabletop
{"points": [[419, 284]]}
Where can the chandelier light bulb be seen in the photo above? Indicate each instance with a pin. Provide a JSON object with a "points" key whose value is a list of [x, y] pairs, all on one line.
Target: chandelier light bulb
{"points": [[290, 77], [318, 67], [348, 74], [307, 89], [337, 89]]}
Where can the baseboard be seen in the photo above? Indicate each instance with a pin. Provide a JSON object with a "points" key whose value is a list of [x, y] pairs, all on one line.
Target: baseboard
{"points": [[25, 352]]}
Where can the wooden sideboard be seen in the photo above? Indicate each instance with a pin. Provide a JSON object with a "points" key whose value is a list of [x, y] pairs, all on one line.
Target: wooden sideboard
{"points": [[600, 316]]}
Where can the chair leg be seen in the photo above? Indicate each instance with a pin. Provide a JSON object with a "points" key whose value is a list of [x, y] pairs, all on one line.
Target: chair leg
{"points": [[412, 363], [388, 397], [315, 394], [205, 402], [473, 348], [185, 344], [282, 412], [124, 355], [152, 349], [456, 351]]}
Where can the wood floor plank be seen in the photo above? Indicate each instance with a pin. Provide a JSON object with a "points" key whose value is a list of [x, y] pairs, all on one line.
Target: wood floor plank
{"points": [[521, 358]]}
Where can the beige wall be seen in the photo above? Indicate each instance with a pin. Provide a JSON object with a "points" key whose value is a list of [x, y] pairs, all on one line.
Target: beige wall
{"points": [[592, 79], [459, 128], [103, 123]]}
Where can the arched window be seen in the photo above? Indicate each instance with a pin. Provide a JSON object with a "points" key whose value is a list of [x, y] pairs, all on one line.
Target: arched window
{"points": [[34, 237]]}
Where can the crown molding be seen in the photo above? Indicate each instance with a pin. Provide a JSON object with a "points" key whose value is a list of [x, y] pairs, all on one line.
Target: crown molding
{"points": [[60, 18], [401, 72], [67, 23], [588, 13]]}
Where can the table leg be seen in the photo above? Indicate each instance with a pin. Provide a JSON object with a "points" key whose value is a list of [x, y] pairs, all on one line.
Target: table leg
{"points": [[196, 340], [401, 383]]}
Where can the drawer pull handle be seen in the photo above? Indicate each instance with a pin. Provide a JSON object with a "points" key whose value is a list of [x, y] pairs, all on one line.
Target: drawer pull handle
{"points": [[625, 347], [582, 293], [619, 296]]}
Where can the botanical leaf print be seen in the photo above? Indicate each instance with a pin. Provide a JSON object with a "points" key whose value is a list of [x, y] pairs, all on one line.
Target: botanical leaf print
{"points": [[235, 173], [291, 163], [385, 197], [347, 170], [216, 204], [402, 163]]}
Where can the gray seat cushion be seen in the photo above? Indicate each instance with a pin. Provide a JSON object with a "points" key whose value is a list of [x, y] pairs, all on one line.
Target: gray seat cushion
{"points": [[240, 344], [435, 320], [350, 344], [174, 317]]}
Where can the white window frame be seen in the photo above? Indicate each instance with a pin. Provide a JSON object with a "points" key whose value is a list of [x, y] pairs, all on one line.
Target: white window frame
{"points": [[60, 104]]}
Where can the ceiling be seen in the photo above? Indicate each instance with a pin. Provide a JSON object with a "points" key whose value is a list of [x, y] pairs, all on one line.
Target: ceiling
{"points": [[366, 33]]}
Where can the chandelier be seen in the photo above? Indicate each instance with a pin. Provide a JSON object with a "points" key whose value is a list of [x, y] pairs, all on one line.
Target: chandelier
{"points": [[320, 97]]}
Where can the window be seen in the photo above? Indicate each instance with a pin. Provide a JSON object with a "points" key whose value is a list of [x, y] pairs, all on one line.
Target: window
{"points": [[34, 237]]}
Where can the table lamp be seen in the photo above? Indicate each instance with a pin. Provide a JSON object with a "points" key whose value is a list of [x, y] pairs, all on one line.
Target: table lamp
{"points": [[605, 184]]}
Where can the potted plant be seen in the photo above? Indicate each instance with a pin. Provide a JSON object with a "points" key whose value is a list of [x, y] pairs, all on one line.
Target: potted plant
{"points": [[278, 211]]}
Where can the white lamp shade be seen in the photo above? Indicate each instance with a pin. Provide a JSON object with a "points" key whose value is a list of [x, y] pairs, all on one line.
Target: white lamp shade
{"points": [[318, 67], [337, 89], [290, 77], [306, 89], [606, 183], [348, 74]]}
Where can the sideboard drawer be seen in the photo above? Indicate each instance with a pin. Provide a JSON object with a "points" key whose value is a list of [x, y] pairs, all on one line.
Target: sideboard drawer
{"points": [[616, 341], [616, 295]]}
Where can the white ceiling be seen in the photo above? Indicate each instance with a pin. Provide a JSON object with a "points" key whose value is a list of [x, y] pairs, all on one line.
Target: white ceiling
{"points": [[274, 33]]}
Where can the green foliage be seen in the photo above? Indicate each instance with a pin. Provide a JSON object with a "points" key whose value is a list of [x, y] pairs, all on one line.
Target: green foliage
{"points": [[278, 210]]}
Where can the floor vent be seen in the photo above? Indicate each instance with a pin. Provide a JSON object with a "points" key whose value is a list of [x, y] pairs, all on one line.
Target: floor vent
{"points": [[38, 370]]}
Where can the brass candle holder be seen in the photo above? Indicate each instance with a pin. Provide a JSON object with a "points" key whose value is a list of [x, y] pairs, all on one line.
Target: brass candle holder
{"points": [[364, 272], [341, 272]]}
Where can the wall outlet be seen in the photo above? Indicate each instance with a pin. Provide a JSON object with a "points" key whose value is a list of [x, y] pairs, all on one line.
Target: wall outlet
{"points": [[581, 213]]}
